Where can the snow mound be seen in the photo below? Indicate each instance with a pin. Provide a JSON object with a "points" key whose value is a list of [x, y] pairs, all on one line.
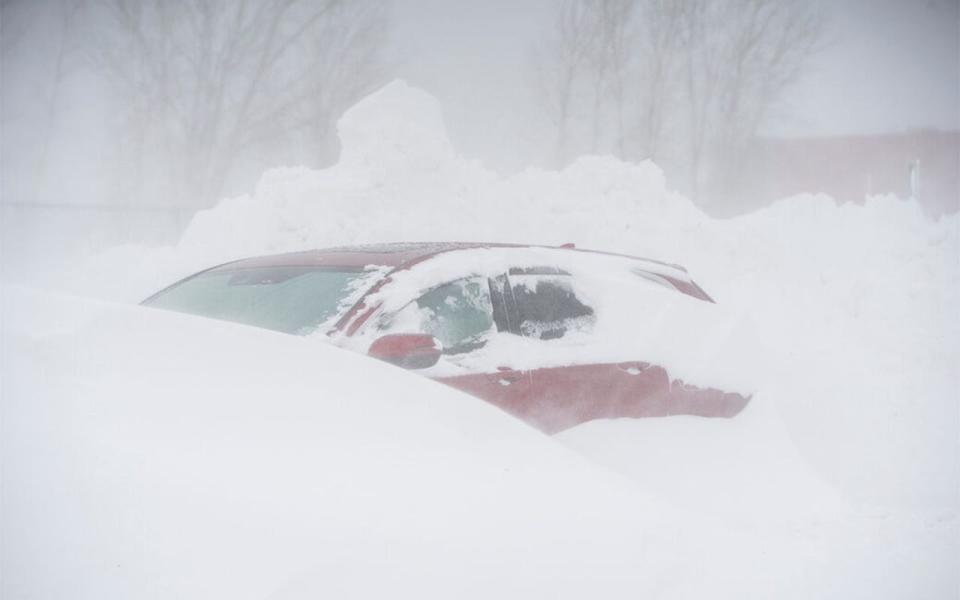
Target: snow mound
{"points": [[855, 305], [397, 125], [192, 458]]}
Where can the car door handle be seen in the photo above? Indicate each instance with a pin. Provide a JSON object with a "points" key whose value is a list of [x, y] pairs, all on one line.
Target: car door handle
{"points": [[633, 367]]}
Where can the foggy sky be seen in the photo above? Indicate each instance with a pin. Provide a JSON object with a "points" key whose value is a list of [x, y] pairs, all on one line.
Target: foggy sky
{"points": [[888, 65]]}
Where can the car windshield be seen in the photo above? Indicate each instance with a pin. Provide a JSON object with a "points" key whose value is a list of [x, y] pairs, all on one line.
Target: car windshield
{"points": [[295, 300]]}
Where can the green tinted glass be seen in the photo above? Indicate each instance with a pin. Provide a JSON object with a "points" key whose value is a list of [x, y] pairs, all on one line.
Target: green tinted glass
{"points": [[289, 299], [457, 312]]}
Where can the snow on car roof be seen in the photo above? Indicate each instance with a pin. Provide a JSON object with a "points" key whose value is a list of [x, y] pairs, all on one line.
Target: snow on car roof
{"points": [[397, 254], [387, 254]]}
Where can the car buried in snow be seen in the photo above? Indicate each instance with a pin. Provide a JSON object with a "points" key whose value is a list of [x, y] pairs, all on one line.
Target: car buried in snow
{"points": [[556, 336]]}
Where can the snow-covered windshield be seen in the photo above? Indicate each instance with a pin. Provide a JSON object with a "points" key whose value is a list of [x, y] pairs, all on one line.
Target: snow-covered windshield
{"points": [[292, 299]]}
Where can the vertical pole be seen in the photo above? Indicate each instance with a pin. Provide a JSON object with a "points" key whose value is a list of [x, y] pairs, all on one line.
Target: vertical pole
{"points": [[913, 169]]}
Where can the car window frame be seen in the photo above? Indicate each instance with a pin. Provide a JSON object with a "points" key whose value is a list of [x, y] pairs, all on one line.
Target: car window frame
{"points": [[512, 308], [496, 302]]}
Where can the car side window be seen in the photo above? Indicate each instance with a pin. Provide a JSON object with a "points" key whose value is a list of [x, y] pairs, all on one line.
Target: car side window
{"points": [[547, 305], [459, 314]]}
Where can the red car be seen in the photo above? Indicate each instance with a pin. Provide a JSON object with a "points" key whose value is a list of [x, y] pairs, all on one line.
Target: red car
{"points": [[517, 326]]}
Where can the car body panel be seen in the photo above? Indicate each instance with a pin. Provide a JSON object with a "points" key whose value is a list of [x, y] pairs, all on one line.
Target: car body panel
{"points": [[551, 397], [574, 394], [509, 389]]}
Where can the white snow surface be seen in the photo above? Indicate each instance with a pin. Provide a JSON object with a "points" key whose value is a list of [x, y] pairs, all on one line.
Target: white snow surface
{"points": [[187, 458], [635, 319], [149, 454], [840, 479]]}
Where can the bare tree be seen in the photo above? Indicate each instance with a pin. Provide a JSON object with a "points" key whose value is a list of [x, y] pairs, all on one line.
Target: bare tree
{"points": [[559, 64], [20, 24], [581, 73], [350, 65], [609, 53], [709, 70], [209, 83], [68, 11], [702, 34], [741, 57], [619, 37], [658, 53]]}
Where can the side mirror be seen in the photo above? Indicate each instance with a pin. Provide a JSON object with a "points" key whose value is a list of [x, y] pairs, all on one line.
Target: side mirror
{"points": [[407, 350]]}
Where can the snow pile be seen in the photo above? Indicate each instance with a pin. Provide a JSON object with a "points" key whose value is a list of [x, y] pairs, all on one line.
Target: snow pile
{"points": [[191, 458], [400, 180], [857, 303], [855, 309], [379, 146], [859, 309]]}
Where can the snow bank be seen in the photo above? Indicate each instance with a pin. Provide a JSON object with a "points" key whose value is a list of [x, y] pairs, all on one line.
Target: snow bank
{"points": [[191, 458], [857, 303], [855, 306]]}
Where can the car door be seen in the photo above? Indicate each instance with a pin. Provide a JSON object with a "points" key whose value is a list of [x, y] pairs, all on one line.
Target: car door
{"points": [[570, 388], [464, 315]]}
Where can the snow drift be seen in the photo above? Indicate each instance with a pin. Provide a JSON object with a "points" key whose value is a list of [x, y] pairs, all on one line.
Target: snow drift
{"points": [[149, 454], [189, 458], [855, 309], [857, 304]]}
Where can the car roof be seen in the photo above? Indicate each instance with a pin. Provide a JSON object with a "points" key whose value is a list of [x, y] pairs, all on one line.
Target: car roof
{"points": [[394, 255], [384, 255]]}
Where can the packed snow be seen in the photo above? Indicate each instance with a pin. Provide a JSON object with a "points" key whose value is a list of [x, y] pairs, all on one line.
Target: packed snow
{"points": [[633, 318], [191, 458], [840, 479]]}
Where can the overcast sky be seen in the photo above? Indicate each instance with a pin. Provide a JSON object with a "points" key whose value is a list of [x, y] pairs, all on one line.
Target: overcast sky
{"points": [[890, 65]]}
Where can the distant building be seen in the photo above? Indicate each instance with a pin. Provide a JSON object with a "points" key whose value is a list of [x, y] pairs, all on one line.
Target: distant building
{"points": [[921, 163]]}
